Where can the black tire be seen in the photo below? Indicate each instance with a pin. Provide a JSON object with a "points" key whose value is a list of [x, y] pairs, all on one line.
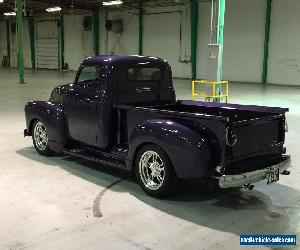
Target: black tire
{"points": [[169, 180], [42, 149]]}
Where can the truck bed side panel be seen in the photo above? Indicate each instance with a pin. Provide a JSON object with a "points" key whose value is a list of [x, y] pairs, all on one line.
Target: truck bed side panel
{"points": [[209, 130]]}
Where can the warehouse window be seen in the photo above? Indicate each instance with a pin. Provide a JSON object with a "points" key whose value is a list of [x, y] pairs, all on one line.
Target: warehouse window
{"points": [[138, 74], [88, 74]]}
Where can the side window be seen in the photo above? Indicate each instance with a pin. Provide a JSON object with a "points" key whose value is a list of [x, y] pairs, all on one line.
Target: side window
{"points": [[137, 74], [88, 74]]}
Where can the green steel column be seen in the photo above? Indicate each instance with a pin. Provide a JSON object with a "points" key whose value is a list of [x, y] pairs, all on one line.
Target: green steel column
{"points": [[20, 39], [62, 41], [221, 21], [194, 36], [8, 41], [96, 30], [32, 40], [141, 28], [267, 39], [220, 42]]}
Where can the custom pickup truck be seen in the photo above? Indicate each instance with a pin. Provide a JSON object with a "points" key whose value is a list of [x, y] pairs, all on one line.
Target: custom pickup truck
{"points": [[121, 111]]}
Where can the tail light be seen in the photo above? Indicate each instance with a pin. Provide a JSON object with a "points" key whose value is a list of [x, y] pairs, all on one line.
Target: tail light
{"points": [[286, 125]]}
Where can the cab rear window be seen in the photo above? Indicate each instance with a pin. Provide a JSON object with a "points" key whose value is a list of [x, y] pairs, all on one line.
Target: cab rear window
{"points": [[140, 74]]}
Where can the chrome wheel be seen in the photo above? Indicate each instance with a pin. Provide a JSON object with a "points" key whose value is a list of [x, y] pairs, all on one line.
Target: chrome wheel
{"points": [[151, 170], [40, 136]]}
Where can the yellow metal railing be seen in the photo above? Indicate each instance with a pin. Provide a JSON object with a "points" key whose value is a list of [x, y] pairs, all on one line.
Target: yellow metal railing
{"points": [[212, 94]]}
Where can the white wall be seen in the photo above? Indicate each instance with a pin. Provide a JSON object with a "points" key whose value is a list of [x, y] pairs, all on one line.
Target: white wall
{"points": [[203, 39], [13, 45], [13, 48], [78, 43], [243, 46], [26, 48], [26, 44], [3, 51], [126, 42], [284, 59], [243, 39], [161, 37]]}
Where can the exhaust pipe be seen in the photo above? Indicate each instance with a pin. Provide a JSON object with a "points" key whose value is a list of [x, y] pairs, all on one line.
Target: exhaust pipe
{"points": [[248, 186], [286, 172]]}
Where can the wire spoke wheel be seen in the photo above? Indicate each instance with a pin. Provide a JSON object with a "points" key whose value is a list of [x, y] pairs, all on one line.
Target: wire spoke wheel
{"points": [[40, 136], [151, 170]]}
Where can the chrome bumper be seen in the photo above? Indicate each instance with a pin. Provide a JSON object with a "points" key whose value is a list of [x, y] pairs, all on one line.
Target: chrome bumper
{"points": [[239, 180]]}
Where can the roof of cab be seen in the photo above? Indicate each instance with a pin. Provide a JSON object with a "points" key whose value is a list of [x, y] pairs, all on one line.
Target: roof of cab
{"points": [[124, 59]]}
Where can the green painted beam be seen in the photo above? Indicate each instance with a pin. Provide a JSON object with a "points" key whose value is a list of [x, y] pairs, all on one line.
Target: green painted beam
{"points": [[220, 42], [8, 41], [32, 40], [194, 36], [221, 37], [96, 30], [141, 28], [20, 40], [267, 41], [62, 41], [221, 22]]}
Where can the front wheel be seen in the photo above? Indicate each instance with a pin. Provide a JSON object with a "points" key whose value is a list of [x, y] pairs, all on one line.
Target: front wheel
{"points": [[154, 171], [40, 138]]}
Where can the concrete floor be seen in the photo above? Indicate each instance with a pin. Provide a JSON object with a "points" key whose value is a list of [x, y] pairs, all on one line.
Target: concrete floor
{"points": [[63, 203]]}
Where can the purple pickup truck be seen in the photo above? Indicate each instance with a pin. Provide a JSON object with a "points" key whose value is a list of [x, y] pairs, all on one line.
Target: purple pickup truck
{"points": [[122, 111]]}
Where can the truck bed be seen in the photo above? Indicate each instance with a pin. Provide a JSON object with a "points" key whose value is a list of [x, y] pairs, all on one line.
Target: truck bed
{"points": [[259, 130], [232, 112]]}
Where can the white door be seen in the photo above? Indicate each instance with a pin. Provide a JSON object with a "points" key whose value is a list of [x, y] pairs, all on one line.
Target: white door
{"points": [[47, 45]]}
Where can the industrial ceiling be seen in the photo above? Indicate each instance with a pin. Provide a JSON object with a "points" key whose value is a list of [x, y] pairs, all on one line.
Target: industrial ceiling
{"points": [[37, 7]]}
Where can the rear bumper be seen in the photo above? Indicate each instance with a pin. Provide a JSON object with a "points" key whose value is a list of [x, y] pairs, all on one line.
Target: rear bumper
{"points": [[239, 180]]}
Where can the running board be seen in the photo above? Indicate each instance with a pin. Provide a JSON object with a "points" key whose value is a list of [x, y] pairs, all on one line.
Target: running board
{"points": [[91, 156]]}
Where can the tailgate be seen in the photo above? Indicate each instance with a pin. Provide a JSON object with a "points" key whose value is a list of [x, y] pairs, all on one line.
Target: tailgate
{"points": [[261, 136]]}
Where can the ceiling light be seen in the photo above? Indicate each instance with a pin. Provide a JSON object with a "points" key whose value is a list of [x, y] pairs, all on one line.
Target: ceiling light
{"points": [[1, 1], [10, 14], [54, 9], [116, 2]]}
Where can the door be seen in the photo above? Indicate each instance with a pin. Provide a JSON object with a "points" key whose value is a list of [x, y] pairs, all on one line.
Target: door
{"points": [[82, 106], [47, 44]]}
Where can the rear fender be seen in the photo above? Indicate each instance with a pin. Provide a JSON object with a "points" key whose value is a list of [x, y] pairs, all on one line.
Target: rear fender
{"points": [[187, 149], [52, 115]]}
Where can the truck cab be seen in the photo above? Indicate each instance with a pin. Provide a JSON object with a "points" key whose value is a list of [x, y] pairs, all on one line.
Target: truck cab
{"points": [[122, 111], [105, 82]]}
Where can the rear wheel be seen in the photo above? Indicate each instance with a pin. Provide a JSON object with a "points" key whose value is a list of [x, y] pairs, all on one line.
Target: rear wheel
{"points": [[154, 171], [40, 138]]}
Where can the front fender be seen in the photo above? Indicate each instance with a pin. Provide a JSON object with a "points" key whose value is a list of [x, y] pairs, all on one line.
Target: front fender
{"points": [[53, 116], [187, 149]]}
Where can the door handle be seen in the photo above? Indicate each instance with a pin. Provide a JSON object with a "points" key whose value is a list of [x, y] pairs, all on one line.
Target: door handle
{"points": [[141, 90], [88, 100]]}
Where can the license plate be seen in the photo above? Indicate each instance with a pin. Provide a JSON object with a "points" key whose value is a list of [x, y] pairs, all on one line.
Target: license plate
{"points": [[272, 175]]}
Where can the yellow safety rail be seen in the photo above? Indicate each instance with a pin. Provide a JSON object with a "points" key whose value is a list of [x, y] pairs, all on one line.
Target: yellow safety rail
{"points": [[213, 95]]}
